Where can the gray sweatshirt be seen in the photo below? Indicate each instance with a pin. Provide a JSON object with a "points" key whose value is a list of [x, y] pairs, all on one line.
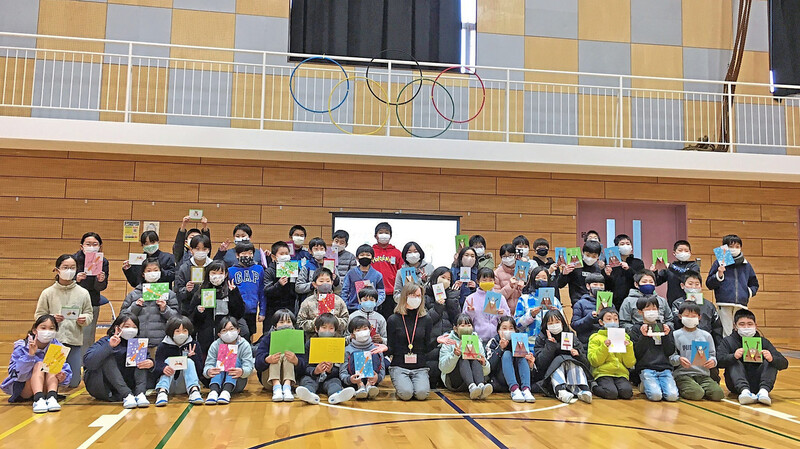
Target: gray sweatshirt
{"points": [[630, 316], [683, 347]]}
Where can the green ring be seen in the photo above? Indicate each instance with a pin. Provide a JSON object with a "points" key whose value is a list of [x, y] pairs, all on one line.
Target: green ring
{"points": [[397, 107]]}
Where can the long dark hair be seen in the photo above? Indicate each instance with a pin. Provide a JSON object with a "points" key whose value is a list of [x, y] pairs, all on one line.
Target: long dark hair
{"points": [[457, 262], [222, 289], [531, 287], [554, 314]]}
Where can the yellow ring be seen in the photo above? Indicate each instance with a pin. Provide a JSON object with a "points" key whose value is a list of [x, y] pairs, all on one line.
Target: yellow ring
{"points": [[330, 99]]}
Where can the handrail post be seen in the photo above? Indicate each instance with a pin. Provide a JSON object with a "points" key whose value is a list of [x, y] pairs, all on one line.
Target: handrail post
{"points": [[389, 98], [263, 85], [730, 117], [619, 112], [508, 105], [129, 84]]}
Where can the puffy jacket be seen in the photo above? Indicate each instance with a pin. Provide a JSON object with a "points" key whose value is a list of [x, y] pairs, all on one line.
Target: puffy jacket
{"points": [[582, 320], [167, 262], [605, 363], [738, 285], [152, 321]]}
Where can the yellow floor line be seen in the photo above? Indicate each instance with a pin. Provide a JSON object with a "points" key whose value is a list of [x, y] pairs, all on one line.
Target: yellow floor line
{"points": [[35, 417]]}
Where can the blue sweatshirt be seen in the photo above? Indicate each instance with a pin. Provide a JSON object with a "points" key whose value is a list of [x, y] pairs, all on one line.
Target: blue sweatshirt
{"points": [[349, 293], [250, 282]]}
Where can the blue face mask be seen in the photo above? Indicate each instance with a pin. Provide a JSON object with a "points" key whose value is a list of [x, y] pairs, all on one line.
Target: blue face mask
{"points": [[613, 324], [368, 306], [647, 289]]}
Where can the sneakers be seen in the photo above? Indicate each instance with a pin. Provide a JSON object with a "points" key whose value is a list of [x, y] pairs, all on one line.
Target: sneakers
{"points": [[517, 396], [161, 399], [763, 397], [305, 395], [195, 397], [486, 390], [141, 401], [225, 398], [40, 406], [585, 396], [287, 393], [746, 397], [565, 396], [277, 393], [474, 391], [129, 401], [53, 405], [372, 391], [212, 397], [361, 393], [528, 395], [342, 396]]}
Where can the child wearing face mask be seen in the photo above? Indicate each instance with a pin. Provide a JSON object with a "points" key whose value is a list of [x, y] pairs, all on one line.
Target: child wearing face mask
{"points": [[365, 273], [645, 287], [509, 373], [673, 274], [465, 258], [508, 285], [459, 374], [610, 370], [652, 353], [527, 314], [387, 260], [150, 246], [26, 380], [242, 233], [322, 376], [361, 340], [91, 243], [622, 276], [248, 277], [565, 374], [443, 313], [485, 323], [183, 287], [584, 312], [152, 316], [409, 336], [107, 376], [297, 236], [207, 322], [347, 260], [367, 302], [225, 383], [694, 381], [178, 342], [576, 277], [733, 285], [484, 259], [744, 378], [280, 370], [309, 309], [414, 257], [278, 292], [522, 248], [691, 282], [181, 249], [541, 248], [304, 286], [65, 292]]}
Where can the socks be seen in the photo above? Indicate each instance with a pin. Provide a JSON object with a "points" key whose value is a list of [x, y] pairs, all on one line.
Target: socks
{"points": [[37, 396], [526, 388], [514, 388], [51, 394], [215, 388], [194, 388], [228, 387]]}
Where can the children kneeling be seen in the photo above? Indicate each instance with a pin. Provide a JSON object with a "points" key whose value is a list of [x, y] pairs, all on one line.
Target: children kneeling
{"points": [[610, 369]]}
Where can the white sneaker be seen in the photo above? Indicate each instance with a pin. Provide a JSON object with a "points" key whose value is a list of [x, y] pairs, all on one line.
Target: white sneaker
{"points": [[585, 396], [342, 396], [528, 396], [486, 390], [40, 406], [129, 402], [225, 398], [53, 405], [517, 396], [141, 401], [307, 396], [565, 396], [161, 399], [195, 397], [372, 391], [361, 393], [746, 397], [474, 391], [277, 394], [212, 397], [287, 393], [763, 397]]}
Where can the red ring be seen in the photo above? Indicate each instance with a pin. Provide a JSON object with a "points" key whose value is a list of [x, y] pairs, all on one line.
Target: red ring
{"points": [[483, 102]]}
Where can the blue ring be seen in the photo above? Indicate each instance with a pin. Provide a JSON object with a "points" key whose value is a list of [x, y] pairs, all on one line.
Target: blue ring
{"points": [[291, 90]]}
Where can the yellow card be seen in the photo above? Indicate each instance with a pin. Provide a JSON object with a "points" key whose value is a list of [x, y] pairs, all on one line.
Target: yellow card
{"points": [[54, 358], [328, 349]]}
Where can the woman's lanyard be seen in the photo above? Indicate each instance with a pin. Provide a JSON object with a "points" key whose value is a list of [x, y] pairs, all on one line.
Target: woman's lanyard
{"points": [[413, 334]]}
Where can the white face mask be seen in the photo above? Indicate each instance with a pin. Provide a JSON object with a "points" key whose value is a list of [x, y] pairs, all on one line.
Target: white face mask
{"points": [[509, 261], [201, 255], [467, 262], [241, 239], [625, 250], [217, 279], [45, 336], [746, 331], [735, 252], [683, 256], [126, 333], [229, 336], [412, 257], [480, 251], [319, 255], [91, 249], [180, 339], [362, 336], [67, 274], [692, 290], [506, 334], [336, 247], [523, 251], [283, 258], [555, 328], [650, 315], [412, 302], [690, 322], [589, 260], [298, 240], [152, 276], [384, 238]]}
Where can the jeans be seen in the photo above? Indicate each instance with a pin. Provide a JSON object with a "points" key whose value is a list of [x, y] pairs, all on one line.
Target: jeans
{"points": [[659, 385], [189, 376], [516, 368], [410, 383], [226, 379], [330, 385], [74, 359]]}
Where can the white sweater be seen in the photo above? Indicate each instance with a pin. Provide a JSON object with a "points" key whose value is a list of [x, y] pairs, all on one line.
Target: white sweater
{"points": [[56, 296]]}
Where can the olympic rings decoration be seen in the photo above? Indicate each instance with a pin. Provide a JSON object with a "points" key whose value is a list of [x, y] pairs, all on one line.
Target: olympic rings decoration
{"points": [[330, 110], [483, 88], [433, 83], [397, 103], [325, 58]]}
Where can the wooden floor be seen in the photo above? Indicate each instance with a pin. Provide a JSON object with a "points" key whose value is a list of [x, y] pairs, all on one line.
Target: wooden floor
{"points": [[445, 420]]}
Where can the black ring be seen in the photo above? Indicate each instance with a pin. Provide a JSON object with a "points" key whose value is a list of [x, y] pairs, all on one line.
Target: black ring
{"points": [[366, 75]]}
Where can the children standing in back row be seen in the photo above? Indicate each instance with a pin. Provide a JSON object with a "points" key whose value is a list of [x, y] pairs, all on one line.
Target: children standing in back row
{"points": [[387, 260], [733, 285]]}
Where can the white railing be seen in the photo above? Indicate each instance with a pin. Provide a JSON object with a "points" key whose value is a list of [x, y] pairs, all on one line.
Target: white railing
{"points": [[52, 76]]}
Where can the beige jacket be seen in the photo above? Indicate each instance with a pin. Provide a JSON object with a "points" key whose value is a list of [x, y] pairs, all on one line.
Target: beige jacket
{"points": [[309, 312], [56, 296]]}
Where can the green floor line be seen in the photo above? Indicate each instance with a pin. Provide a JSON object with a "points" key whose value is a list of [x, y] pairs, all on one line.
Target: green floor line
{"points": [[174, 427], [742, 421]]}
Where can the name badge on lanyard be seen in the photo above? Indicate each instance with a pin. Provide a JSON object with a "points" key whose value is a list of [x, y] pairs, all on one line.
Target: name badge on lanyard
{"points": [[411, 359]]}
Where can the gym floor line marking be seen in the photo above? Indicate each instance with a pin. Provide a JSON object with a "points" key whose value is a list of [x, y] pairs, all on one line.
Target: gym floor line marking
{"points": [[775, 432], [387, 412], [474, 423], [174, 427], [766, 411], [35, 417], [105, 423]]}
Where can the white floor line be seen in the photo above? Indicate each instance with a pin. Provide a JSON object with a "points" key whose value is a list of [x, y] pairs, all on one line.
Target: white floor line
{"points": [[105, 423], [386, 412], [766, 411]]}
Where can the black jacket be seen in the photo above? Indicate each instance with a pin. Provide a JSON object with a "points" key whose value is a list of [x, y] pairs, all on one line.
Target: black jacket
{"points": [[398, 341], [549, 356], [577, 281], [649, 355], [732, 342], [168, 348], [623, 279], [206, 323], [672, 276], [167, 261], [179, 248], [262, 352], [91, 283], [99, 352], [278, 296]]}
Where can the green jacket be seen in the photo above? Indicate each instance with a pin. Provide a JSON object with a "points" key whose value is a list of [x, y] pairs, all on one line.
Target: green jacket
{"points": [[605, 363]]}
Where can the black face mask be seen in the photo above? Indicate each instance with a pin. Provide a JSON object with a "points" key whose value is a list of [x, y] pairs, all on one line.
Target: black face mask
{"points": [[542, 251], [246, 260], [541, 283], [365, 261]]}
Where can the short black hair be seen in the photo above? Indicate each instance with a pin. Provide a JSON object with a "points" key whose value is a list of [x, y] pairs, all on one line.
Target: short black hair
{"points": [[198, 239], [507, 248], [541, 242], [297, 228], [92, 234], [326, 318], [638, 276], [606, 310], [357, 322], [148, 235], [592, 247], [681, 242], [317, 241], [341, 234], [279, 316], [177, 321], [621, 237], [590, 231], [322, 271], [224, 321], [64, 257], [485, 272], [193, 231], [691, 274], [368, 292], [690, 306], [243, 227], [595, 278], [731, 239], [121, 319], [383, 225], [278, 245], [743, 313], [245, 246], [645, 301], [462, 318], [365, 249], [520, 240], [477, 239], [415, 245], [150, 261], [505, 318]]}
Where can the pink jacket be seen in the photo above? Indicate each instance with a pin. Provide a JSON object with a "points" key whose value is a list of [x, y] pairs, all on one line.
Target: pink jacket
{"points": [[502, 284]]}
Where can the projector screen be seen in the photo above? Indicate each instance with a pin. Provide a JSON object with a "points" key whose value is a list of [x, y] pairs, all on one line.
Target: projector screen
{"points": [[434, 233]]}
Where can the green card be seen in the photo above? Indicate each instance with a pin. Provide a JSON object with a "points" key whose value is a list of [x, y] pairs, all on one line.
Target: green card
{"points": [[660, 257], [287, 340], [575, 257], [470, 347], [154, 292], [752, 349], [462, 241], [605, 299], [208, 298]]}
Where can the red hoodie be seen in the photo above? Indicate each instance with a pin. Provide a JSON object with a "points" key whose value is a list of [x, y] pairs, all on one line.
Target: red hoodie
{"points": [[388, 262]]}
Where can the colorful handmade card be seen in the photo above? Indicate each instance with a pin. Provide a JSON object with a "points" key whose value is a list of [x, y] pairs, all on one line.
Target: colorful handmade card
{"points": [[136, 258], [544, 298], [492, 303], [561, 256], [604, 299], [155, 291], [287, 269], [361, 284], [574, 257], [613, 256], [462, 241], [330, 264], [197, 275], [519, 344], [137, 351], [93, 264], [326, 303], [362, 364], [71, 313], [331, 253], [723, 255], [522, 270], [655, 329], [438, 292], [291, 340], [290, 243], [54, 358], [470, 347], [326, 349], [154, 226], [226, 356], [465, 274], [208, 298], [196, 214], [752, 349], [408, 274], [566, 341], [660, 259], [696, 297], [699, 353], [178, 362]]}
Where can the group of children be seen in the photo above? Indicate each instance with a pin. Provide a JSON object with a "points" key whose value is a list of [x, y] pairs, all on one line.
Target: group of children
{"points": [[432, 330]]}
